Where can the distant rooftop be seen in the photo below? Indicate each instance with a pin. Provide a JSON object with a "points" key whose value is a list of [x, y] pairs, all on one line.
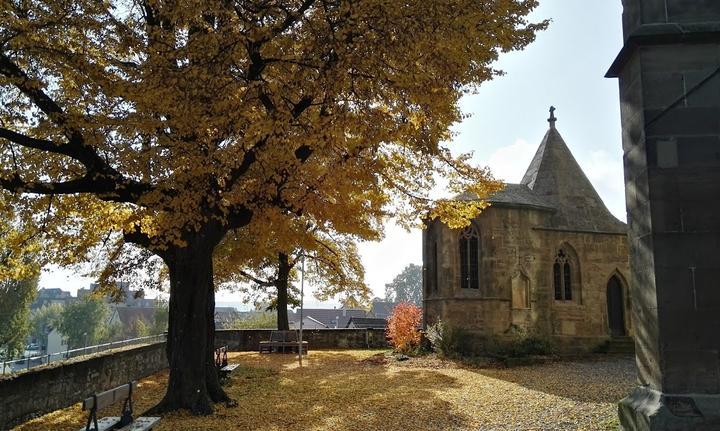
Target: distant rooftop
{"points": [[366, 322], [330, 317], [382, 309]]}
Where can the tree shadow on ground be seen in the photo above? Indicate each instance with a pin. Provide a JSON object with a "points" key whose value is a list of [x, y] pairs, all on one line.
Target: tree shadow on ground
{"points": [[334, 390], [338, 391], [605, 379], [357, 390]]}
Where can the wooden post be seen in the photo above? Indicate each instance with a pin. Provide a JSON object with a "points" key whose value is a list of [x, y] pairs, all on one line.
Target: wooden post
{"points": [[302, 301]]}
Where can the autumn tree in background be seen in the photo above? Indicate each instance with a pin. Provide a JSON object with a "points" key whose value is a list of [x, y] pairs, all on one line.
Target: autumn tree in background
{"points": [[406, 286], [403, 327], [161, 317], [258, 320], [15, 299], [270, 273], [19, 273], [84, 322], [43, 320], [166, 125]]}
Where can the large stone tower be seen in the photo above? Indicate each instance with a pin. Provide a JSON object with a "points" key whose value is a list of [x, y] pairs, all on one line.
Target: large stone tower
{"points": [[669, 72]]}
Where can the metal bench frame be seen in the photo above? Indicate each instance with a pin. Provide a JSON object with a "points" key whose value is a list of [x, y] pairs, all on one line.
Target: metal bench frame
{"points": [[103, 399], [221, 362]]}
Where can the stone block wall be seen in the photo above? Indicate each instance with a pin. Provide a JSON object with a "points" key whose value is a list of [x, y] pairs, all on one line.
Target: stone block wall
{"points": [[248, 340], [671, 140], [515, 251], [53, 387]]}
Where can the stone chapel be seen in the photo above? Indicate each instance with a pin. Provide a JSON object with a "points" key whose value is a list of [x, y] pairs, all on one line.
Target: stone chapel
{"points": [[546, 256]]}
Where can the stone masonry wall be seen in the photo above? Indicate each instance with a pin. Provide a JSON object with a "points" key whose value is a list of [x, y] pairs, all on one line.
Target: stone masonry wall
{"points": [[671, 141], [46, 389], [248, 340], [515, 250]]}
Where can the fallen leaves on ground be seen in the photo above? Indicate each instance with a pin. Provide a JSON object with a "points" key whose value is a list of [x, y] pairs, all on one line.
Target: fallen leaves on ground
{"points": [[367, 390]]}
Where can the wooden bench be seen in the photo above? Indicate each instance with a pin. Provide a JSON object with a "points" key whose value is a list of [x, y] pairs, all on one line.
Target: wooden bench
{"points": [[283, 342], [126, 422], [221, 362]]}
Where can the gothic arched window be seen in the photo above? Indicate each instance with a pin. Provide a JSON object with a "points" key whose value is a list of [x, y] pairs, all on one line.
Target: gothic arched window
{"points": [[469, 258], [563, 276]]}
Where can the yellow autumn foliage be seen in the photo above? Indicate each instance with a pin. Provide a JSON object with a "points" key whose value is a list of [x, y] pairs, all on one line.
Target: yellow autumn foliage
{"points": [[157, 117], [169, 124]]}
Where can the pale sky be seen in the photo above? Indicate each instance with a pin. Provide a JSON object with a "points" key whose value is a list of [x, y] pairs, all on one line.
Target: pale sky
{"points": [[564, 67]]}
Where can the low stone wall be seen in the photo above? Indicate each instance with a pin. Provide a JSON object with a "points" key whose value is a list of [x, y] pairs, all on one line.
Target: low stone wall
{"points": [[56, 386], [246, 340]]}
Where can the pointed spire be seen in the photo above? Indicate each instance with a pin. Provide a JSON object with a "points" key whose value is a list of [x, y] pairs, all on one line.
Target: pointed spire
{"points": [[555, 175], [552, 118]]}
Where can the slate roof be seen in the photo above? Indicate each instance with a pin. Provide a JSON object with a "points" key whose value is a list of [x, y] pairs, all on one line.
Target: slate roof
{"points": [[555, 176], [513, 195], [382, 309], [555, 182], [366, 322]]}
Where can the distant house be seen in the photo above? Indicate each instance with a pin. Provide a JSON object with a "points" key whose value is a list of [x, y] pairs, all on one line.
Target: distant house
{"points": [[51, 296], [127, 317], [309, 323], [367, 323], [225, 316], [128, 297], [382, 309], [324, 317], [56, 342]]}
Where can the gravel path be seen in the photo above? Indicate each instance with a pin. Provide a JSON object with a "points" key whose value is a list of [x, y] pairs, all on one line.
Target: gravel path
{"points": [[364, 390]]}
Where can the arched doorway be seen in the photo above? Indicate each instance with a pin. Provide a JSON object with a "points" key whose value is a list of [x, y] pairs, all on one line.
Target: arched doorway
{"points": [[616, 307]]}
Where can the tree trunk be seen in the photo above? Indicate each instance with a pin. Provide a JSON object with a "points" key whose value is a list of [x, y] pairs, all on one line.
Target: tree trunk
{"points": [[282, 292], [193, 383]]}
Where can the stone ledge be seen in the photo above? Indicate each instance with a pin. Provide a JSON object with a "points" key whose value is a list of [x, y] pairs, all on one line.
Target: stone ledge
{"points": [[649, 410]]}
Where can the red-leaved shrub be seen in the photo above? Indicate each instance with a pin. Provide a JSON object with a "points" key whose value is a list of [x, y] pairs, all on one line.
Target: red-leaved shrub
{"points": [[402, 328]]}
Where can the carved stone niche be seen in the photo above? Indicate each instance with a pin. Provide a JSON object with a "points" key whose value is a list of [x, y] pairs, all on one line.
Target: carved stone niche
{"points": [[521, 299]]}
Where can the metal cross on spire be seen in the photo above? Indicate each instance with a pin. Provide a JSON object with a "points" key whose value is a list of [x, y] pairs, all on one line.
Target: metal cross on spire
{"points": [[552, 118]]}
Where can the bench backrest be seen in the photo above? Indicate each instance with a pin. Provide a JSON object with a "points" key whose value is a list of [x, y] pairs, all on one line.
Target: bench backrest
{"points": [[111, 396], [283, 336]]}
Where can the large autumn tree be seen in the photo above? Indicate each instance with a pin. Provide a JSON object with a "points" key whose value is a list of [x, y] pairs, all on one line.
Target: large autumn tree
{"points": [[167, 124]]}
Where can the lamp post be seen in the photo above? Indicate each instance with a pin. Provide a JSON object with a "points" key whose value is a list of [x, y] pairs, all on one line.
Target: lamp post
{"points": [[302, 300]]}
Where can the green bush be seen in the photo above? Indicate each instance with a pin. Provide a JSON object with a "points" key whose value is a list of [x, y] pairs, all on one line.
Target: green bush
{"points": [[520, 344], [531, 345], [445, 338]]}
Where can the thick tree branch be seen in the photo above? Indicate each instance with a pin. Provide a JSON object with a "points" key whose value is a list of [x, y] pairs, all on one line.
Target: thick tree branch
{"points": [[105, 190], [259, 282], [29, 142], [100, 176]]}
